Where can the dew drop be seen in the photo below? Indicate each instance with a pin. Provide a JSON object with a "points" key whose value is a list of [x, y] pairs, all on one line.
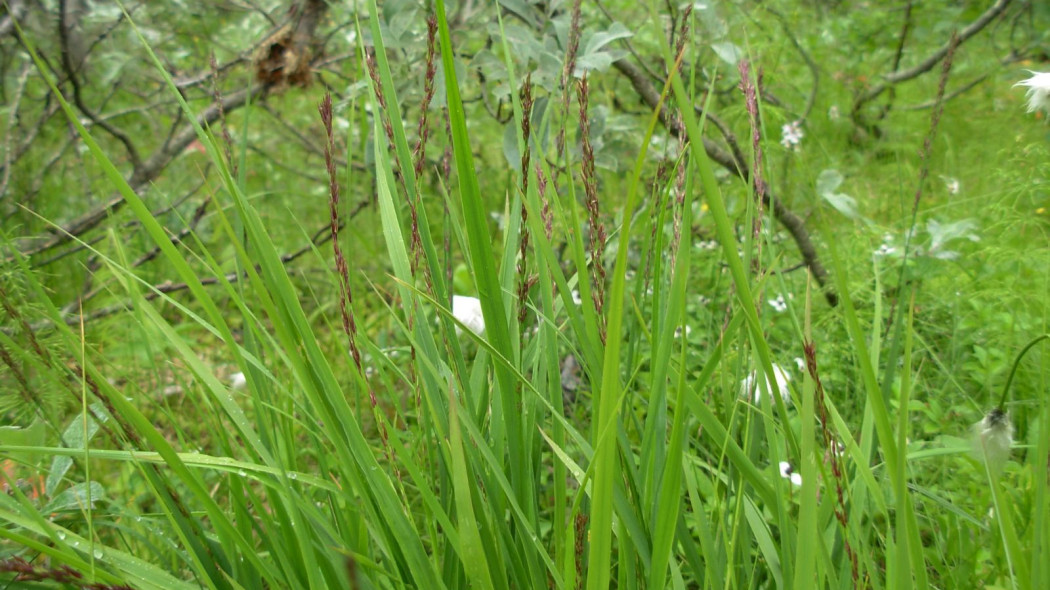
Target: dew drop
{"points": [[97, 553], [62, 535], [293, 475], [242, 473]]}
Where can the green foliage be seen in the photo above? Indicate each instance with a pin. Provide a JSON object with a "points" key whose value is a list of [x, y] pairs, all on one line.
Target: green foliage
{"points": [[635, 420]]}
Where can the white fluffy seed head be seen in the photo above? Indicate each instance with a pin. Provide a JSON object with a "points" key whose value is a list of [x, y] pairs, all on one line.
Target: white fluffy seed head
{"points": [[751, 390], [468, 311], [992, 438], [1038, 91]]}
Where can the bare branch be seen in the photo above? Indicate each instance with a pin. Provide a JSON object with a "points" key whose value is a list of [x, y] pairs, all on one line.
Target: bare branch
{"points": [[139, 179], [934, 58], [65, 32], [15, 10], [12, 119], [319, 238], [791, 222]]}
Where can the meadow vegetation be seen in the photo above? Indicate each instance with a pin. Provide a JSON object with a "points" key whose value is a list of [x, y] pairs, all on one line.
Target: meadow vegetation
{"points": [[525, 294]]}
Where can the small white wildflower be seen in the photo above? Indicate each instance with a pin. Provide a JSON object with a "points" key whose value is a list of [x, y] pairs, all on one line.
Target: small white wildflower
{"points": [[800, 363], [703, 301], [750, 390], [707, 245], [468, 311], [678, 332], [952, 184], [499, 218], [778, 304], [833, 112], [885, 250], [788, 472], [237, 381], [576, 297], [1038, 91], [992, 438], [792, 135]]}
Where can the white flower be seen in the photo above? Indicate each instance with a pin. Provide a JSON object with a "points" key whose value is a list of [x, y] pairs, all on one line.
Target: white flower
{"points": [[887, 248], [468, 311], [788, 472], [800, 363], [778, 304], [707, 245], [1038, 91], [750, 390], [576, 297], [678, 332], [792, 135], [952, 184], [237, 381], [992, 438], [833, 112]]}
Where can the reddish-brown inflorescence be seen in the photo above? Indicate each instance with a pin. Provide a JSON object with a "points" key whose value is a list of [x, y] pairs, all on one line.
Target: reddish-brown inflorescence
{"points": [[833, 456], [346, 299], [679, 185], [429, 78], [590, 184], [388, 129], [227, 140], [660, 178], [569, 71], [578, 548], [748, 87], [526, 155], [423, 131], [927, 145], [27, 572]]}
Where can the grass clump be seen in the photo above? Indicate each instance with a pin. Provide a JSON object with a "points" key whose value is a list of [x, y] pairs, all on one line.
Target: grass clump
{"points": [[595, 389]]}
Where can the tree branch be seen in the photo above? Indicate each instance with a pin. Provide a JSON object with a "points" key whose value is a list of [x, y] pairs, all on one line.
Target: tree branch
{"points": [[65, 30], [791, 222], [140, 177], [934, 58]]}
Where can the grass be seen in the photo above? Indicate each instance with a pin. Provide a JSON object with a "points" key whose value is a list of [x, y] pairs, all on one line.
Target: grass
{"points": [[465, 461]]}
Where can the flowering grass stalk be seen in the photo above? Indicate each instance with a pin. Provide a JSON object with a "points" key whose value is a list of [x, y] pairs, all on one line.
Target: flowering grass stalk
{"points": [[652, 478], [597, 227]]}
